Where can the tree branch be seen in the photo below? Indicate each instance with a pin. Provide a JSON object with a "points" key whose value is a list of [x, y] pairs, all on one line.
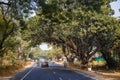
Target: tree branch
{"points": [[5, 3], [73, 44]]}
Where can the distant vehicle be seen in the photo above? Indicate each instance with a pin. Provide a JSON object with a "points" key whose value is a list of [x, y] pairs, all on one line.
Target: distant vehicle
{"points": [[44, 61]]}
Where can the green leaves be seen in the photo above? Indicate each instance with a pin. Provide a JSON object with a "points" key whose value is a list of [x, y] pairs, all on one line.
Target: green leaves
{"points": [[83, 22], [76, 25]]}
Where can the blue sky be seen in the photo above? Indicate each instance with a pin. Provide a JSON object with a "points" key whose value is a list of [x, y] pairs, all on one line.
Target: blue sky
{"points": [[116, 6]]}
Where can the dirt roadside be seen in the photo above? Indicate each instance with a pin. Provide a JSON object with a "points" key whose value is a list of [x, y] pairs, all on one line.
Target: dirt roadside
{"points": [[9, 77], [109, 75], [99, 75]]}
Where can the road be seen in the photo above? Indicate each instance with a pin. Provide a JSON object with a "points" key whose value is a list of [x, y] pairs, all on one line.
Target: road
{"points": [[54, 72]]}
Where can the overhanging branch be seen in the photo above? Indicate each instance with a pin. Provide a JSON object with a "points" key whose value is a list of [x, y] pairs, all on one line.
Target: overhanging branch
{"points": [[5, 3]]}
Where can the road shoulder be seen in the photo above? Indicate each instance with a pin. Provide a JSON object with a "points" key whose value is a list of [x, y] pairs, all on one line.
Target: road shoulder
{"points": [[11, 76], [97, 75]]}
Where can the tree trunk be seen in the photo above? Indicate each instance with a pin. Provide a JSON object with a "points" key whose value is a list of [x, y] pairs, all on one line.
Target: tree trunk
{"points": [[111, 63], [1, 50]]}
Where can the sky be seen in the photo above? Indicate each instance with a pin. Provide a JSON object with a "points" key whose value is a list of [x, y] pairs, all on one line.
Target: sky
{"points": [[116, 6], [44, 46]]}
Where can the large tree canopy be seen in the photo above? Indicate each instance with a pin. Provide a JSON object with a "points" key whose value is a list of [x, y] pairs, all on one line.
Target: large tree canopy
{"points": [[80, 27]]}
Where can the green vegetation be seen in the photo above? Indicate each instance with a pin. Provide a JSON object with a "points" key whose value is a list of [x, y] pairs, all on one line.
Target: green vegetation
{"points": [[78, 28], [8, 70], [55, 53]]}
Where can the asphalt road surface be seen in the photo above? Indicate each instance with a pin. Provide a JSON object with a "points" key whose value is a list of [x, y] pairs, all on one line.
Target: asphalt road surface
{"points": [[54, 72]]}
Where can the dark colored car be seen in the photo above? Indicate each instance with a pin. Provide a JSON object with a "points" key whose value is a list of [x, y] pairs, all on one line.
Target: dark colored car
{"points": [[44, 61]]}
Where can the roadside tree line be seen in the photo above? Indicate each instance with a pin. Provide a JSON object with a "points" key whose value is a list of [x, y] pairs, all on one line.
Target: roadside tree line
{"points": [[79, 27]]}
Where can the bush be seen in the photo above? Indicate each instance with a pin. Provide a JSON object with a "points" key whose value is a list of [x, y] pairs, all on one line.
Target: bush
{"points": [[11, 69]]}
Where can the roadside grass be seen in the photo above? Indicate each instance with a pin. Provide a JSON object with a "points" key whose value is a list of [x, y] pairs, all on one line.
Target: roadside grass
{"points": [[8, 70], [78, 66]]}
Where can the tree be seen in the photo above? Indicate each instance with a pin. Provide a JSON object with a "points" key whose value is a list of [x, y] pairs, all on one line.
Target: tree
{"points": [[12, 14], [80, 27], [7, 28], [83, 21], [54, 53]]}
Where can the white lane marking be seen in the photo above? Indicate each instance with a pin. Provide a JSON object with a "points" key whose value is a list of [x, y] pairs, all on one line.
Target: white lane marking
{"points": [[54, 72], [26, 74], [60, 78]]}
